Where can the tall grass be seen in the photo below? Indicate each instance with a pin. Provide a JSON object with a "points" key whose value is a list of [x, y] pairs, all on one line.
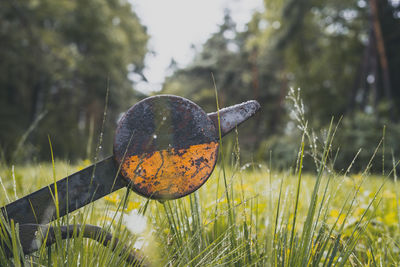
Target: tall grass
{"points": [[300, 229], [245, 215], [70, 251], [295, 232], [272, 219]]}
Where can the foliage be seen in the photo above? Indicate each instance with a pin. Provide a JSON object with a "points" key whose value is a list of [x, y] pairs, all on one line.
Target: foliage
{"points": [[326, 48], [58, 58], [360, 132]]}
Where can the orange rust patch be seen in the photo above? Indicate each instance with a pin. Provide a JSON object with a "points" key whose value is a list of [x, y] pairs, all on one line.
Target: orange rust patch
{"points": [[172, 172]]}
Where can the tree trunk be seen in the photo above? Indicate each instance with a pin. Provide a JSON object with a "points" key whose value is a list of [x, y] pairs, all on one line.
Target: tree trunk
{"points": [[380, 44]]}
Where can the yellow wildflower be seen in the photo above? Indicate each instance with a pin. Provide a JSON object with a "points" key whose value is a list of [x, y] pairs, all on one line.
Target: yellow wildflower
{"points": [[85, 163], [335, 214], [388, 194], [113, 198], [390, 218], [132, 205]]}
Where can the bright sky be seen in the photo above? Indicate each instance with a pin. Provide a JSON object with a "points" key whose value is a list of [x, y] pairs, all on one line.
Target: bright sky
{"points": [[176, 25]]}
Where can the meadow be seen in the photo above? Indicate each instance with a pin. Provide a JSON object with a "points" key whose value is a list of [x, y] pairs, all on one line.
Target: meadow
{"points": [[299, 189], [245, 215]]}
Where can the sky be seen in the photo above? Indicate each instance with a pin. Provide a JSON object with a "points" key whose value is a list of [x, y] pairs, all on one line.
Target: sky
{"points": [[176, 25]]}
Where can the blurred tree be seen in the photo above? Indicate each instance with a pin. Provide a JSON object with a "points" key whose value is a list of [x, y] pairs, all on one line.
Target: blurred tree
{"points": [[60, 57], [223, 56], [218, 53], [341, 53], [377, 80]]}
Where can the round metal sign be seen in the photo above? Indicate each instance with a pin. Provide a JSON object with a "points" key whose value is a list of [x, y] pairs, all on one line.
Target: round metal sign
{"points": [[166, 146]]}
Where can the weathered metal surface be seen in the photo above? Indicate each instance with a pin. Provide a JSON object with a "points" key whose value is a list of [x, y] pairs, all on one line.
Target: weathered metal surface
{"points": [[74, 192], [232, 116], [167, 147], [173, 173], [167, 128]]}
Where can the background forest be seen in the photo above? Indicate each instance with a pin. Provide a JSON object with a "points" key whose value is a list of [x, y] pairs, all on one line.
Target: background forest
{"points": [[59, 58]]}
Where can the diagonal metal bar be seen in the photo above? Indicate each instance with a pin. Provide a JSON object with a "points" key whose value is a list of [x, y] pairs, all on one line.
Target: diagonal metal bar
{"points": [[99, 180], [37, 209], [32, 236], [232, 116], [74, 192]]}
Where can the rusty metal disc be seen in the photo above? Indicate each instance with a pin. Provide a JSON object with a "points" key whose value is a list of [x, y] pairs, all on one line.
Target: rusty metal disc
{"points": [[166, 146]]}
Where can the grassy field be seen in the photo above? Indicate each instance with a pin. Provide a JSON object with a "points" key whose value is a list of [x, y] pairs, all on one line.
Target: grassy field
{"points": [[244, 215]]}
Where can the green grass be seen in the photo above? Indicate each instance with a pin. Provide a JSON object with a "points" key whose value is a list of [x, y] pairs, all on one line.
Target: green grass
{"points": [[244, 215]]}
